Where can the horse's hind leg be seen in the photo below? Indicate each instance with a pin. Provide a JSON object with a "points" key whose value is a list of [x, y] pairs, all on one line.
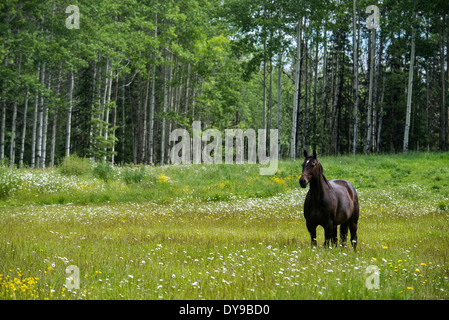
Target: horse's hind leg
{"points": [[343, 233], [353, 222], [353, 230]]}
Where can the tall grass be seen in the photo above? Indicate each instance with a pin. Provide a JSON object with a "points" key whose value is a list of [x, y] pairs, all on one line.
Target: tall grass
{"points": [[9, 182], [78, 181], [75, 166]]}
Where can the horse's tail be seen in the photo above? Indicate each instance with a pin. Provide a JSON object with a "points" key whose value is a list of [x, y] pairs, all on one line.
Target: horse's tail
{"points": [[355, 200]]}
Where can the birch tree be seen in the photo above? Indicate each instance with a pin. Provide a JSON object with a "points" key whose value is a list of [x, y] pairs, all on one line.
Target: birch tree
{"points": [[69, 114], [152, 100], [369, 122], [356, 75], [40, 119], [22, 144], [409, 93], [296, 97]]}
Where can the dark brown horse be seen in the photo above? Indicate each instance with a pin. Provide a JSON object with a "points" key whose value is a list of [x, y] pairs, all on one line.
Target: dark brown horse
{"points": [[328, 203]]}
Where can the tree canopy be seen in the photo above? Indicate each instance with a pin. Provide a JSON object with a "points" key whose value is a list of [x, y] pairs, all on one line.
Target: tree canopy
{"points": [[113, 79]]}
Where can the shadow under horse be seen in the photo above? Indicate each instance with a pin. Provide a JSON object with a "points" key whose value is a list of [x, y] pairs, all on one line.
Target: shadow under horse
{"points": [[328, 203]]}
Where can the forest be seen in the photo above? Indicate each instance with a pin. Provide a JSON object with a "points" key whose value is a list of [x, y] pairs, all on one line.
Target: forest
{"points": [[109, 80]]}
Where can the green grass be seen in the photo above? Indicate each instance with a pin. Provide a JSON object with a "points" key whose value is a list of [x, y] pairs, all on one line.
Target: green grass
{"points": [[223, 232]]}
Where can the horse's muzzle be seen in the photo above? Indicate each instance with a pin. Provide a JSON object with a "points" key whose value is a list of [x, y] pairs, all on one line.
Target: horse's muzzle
{"points": [[303, 182]]}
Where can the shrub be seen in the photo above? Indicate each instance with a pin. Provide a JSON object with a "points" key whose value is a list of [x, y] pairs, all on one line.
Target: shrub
{"points": [[75, 166], [103, 171], [9, 182], [443, 205], [133, 175]]}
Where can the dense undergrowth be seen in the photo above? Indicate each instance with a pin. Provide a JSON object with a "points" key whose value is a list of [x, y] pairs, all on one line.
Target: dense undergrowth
{"points": [[79, 181]]}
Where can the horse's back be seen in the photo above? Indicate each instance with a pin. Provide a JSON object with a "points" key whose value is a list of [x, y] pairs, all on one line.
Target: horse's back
{"points": [[348, 203], [344, 186]]}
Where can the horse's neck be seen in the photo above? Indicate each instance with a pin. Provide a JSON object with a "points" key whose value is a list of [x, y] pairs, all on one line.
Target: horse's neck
{"points": [[319, 187]]}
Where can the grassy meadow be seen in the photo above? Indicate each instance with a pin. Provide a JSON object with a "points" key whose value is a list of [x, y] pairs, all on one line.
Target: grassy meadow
{"points": [[221, 231]]}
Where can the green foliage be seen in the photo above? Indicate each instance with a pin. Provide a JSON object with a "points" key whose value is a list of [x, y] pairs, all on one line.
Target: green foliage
{"points": [[9, 182], [133, 174], [209, 56], [215, 183], [75, 166], [103, 170], [443, 205]]}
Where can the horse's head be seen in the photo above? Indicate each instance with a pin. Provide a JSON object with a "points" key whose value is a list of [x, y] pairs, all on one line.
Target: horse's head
{"points": [[310, 168]]}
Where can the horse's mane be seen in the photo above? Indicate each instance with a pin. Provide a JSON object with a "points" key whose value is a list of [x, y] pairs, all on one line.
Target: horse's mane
{"points": [[324, 177]]}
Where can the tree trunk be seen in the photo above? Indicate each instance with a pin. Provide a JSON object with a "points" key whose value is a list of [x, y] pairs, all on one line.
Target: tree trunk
{"points": [[335, 103], [107, 107], [2, 134], [324, 85], [264, 93], [356, 75], [186, 99], [123, 141], [152, 101], [22, 145], [92, 109], [55, 122], [34, 131], [297, 93], [443, 117], [114, 120], [305, 134], [40, 120], [315, 104], [369, 124], [69, 115], [105, 97], [447, 87], [164, 107], [12, 147], [45, 127], [409, 93], [270, 95], [382, 94], [143, 156], [279, 102], [3, 130]]}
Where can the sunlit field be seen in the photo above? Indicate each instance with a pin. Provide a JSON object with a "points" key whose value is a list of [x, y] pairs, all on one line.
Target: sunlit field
{"points": [[221, 232]]}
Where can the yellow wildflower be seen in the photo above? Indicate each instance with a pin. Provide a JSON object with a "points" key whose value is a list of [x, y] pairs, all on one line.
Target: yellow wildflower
{"points": [[162, 178]]}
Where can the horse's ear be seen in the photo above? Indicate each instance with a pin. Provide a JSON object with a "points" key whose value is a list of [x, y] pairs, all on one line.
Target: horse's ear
{"points": [[305, 154], [314, 153]]}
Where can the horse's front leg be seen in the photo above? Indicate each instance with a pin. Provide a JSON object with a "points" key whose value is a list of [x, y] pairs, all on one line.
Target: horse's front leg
{"points": [[334, 238], [312, 231], [328, 233]]}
